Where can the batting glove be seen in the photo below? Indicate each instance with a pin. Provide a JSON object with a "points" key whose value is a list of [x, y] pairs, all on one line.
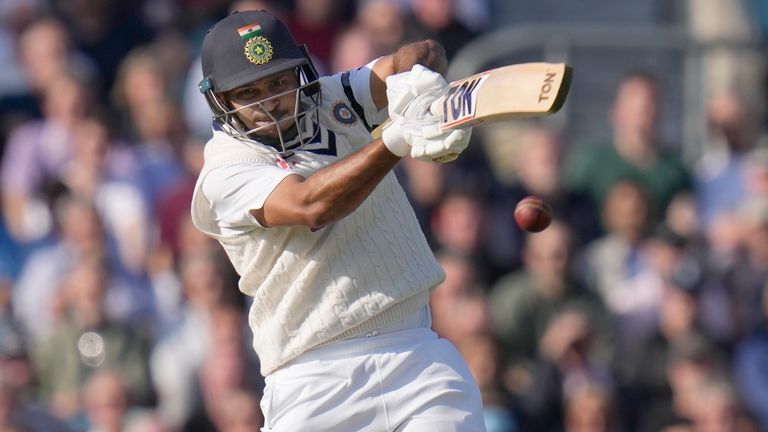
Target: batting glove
{"points": [[415, 128], [439, 146], [409, 96]]}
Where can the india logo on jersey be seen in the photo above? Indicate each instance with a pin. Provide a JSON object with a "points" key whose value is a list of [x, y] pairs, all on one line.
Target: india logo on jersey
{"points": [[342, 113]]}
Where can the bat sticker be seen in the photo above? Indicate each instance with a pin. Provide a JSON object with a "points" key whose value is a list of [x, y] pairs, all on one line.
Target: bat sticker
{"points": [[460, 104]]}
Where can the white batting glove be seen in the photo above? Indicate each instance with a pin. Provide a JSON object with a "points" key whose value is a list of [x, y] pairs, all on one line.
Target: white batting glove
{"points": [[440, 147], [409, 96], [415, 128]]}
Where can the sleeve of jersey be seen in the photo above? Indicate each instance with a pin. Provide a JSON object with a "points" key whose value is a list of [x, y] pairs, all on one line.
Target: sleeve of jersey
{"points": [[234, 190], [357, 86]]}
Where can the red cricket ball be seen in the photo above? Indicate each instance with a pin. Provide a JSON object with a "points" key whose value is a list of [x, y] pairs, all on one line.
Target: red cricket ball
{"points": [[533, 214]]}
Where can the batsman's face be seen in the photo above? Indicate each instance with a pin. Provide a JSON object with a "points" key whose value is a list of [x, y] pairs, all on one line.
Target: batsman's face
{"points": [[266, 104]]}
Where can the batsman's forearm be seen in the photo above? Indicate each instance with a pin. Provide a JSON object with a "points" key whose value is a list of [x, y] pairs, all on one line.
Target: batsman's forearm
{"points": [[337, 190]]}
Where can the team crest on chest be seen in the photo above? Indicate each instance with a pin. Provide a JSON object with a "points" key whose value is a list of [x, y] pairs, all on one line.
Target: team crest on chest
{"points": [[343, 114], [258, 50]]}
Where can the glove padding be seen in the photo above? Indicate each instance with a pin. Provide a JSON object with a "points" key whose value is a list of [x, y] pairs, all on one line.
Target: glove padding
{"points": [[439, 146], [415, 128], [410, 95]]}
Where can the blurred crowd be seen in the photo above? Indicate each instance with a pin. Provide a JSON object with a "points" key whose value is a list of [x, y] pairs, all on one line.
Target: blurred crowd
{"points": [[642, 308]]}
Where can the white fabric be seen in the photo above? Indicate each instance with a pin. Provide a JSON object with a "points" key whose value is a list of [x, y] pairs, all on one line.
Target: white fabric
{"points": [[360, 81], [406, 380], [315, 286], [236, 188]]}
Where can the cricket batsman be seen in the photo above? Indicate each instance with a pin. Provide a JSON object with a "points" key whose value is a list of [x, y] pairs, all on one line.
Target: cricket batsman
{"points": [[306, 206]]}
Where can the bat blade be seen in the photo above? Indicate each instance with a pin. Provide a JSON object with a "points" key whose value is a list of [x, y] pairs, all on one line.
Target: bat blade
{"points": [[512, 91]]}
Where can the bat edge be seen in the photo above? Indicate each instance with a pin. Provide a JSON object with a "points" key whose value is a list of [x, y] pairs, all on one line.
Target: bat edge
{"points": [[565, 88]]}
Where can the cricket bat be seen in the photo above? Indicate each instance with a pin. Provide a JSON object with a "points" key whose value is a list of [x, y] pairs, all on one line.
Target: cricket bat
{"points": [[513, 91]]}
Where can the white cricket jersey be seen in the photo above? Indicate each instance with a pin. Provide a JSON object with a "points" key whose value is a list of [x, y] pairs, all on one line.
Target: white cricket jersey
{"points": [[314, 286]]}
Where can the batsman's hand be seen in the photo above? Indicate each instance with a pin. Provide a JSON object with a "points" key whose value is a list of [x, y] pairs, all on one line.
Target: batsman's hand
{"points": [[414, 128], [438, 146]]}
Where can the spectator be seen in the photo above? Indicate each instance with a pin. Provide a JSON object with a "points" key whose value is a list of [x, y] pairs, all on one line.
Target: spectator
{"points": [[565, 354], [436, 19], [537, 165], [525, 306], [722, 66], [80, 233], [224, 374], [590, 406], [747, 274], [382, 22], [174, 202], [719, 175], [704, 396], [718, 408], [635, 301], [37, 152], [17, 410], [174, 53], [119, 202], [46, 51], [749, 358], [86, 340], [458, 224], [105, 401], [152, 122], [316, 23], [181, 348], [105, 30], [15, 16], [43, 51], [651, 365], [239, 411], [459, 305], [482, 353], [352, 48], [633, 152], [610, 260]]}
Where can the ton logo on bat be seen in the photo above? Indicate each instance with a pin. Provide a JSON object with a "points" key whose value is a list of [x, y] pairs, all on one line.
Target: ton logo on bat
{"points": [[460, 100], [547, 86]]}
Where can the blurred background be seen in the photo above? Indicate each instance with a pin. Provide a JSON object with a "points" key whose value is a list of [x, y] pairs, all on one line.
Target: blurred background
{"points": [[643, 307]]}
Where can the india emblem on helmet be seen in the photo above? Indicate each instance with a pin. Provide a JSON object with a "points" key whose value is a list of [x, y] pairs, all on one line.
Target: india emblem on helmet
{"points": [[258, 50]]}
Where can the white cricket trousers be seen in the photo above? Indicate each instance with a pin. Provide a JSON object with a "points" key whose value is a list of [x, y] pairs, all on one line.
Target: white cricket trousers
{"points": [[404, 380]]}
